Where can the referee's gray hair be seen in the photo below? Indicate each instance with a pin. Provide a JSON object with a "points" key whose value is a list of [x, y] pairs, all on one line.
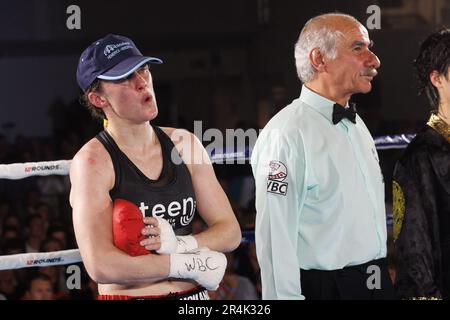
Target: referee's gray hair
{"points": [[317, 33]]}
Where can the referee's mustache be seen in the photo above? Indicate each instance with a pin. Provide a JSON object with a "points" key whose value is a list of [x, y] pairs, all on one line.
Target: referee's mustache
{"points": [[369, 72]]}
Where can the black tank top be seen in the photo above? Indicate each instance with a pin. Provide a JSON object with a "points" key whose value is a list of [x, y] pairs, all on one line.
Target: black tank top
{"points": [[171, 196]]}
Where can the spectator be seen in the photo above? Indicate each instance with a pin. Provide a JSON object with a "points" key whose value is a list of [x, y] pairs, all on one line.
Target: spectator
{"points": [[8, 284], [5, 209], [43, 210], [33, 198], [57, 231], [12, 220], [57, 277], [40, 288], [35, 233], [9, 232]]}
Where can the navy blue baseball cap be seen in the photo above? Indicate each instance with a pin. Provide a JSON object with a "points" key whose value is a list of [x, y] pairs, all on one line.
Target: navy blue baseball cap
{"points": [[113, 57]]}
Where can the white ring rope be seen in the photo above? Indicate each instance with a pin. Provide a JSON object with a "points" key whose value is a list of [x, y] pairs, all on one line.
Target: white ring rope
{"points": [[17, 171], [39, 259], [61, 167]]}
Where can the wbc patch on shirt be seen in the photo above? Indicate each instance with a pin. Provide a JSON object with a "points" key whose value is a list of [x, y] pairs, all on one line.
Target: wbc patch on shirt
{"points": [[275, 180]]}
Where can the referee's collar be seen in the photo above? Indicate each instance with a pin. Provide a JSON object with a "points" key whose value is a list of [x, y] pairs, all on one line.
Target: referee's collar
{"points": [[319, 103]]}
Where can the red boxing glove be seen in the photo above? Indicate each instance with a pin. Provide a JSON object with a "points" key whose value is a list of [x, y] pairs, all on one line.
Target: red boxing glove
{"points": [[127, 225]]}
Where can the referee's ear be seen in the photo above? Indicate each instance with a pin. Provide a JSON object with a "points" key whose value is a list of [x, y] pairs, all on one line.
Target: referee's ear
{"points": [[317, 60]]}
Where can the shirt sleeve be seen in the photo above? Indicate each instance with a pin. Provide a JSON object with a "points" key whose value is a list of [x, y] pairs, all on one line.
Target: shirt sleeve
{"points": [[279, 169], [414, 232]]}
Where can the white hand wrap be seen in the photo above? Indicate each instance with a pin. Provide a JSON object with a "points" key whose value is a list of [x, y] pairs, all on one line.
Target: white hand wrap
{"points": [[204, 266], [186, 244], [168, 239], [171, 243]]}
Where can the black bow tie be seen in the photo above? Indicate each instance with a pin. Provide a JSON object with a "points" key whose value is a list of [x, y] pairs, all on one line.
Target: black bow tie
{"points": [[340, 112]]}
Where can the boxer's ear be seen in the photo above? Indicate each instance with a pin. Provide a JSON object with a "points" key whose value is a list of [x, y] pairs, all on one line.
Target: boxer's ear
{"points": [[97, 99]]}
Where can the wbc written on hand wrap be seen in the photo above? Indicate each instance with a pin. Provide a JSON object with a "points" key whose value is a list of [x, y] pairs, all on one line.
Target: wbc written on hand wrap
{"points": [[204, 266]]}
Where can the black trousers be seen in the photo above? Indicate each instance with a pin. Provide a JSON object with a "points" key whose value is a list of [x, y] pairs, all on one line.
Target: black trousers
{"points": [[368, 281]]}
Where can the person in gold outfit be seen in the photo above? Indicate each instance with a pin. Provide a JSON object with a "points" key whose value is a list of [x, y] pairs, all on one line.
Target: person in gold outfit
{"points": [[421, 185]]}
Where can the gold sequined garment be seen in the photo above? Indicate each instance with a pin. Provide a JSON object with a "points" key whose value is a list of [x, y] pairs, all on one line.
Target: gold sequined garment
{"points": [[399, 207], [421, 205], [440, 126]]}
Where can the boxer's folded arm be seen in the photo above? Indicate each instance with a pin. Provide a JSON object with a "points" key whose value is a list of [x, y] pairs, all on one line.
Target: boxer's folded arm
{"points": [[119, 268], [92, 217]]}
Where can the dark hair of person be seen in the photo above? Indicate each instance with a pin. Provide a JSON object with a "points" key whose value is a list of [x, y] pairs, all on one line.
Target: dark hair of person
{"points": [[434, 55], [95, 112]]}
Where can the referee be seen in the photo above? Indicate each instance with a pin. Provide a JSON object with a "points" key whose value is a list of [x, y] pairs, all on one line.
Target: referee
{"points": [[321, 224]]}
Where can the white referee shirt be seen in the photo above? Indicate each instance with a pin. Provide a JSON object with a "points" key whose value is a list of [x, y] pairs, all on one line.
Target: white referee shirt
{"points": [[319, 195]]}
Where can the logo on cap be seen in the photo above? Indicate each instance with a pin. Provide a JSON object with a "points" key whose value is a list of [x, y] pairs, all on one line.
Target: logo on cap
{"points": [[112, 49]]}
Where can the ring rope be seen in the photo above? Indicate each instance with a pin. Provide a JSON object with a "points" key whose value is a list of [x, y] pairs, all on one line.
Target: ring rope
{"points": [[17, 171], [39, 259], [395, 141]]}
